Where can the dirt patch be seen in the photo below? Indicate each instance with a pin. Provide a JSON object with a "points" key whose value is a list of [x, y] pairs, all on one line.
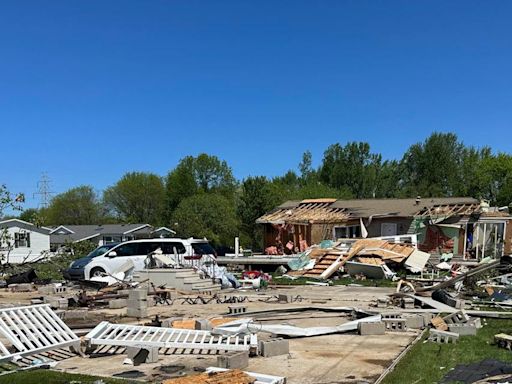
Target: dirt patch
{"points": [[382, 363]]}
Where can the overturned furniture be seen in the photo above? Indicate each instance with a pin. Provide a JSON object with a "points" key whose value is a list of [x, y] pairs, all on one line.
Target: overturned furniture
{"points": [[32, 330]]}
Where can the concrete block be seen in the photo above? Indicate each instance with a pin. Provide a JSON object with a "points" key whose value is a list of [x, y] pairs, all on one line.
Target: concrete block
{"points": [[138, 294], [237, 309], [427, 317], [56, 302], [476, 321], [141, 355], [465, 329], [391, 315], [382, 302], [138, 304], [233, 360], [23, 287], [76, 314], [135, 312], [459, 317], [274, 347], [372, 328], [446, 337], [415, 322], [117, 303], [203, 325], [397, 325], [36, 301], [284, 298], [45, 290], [407, 302], [167, 323]]}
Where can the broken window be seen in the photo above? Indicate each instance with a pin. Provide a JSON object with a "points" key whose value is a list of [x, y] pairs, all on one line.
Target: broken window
{"points": [[485, 239], [347, 232]]}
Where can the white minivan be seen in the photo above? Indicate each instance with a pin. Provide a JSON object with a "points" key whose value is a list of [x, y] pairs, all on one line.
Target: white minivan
{"points": [[187, 252]]}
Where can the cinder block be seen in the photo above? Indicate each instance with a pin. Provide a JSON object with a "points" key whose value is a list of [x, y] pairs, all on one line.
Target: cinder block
{"points": [[465, 329], [397, 325], [233, 360], [407, 302], [284, 298], [203, 325], [138, 294], [135, 312], [427, 317], [141, 355], [56, 302], [76, 314], [117, 303], [23, 287], [476, 321], [45, 290], [415, 322], [274, 347], [372, 328], [459, 317], [391, 315], [446, 337], [138, 304], [382, 302], [233, 309], [167, 323]]}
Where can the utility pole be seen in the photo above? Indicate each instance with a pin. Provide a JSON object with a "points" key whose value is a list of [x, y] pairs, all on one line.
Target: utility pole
{"points": [[43, 190]]}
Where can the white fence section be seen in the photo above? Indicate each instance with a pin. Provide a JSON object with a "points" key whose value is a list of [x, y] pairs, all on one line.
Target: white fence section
{"points": [[127, 335], [33, 329]]}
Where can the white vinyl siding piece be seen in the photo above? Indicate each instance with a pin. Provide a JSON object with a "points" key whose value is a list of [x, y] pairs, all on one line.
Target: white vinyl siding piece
{"points": [[32, 330], [127, 335]]}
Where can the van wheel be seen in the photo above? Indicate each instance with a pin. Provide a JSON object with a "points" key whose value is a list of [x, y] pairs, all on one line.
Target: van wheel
{"points": [[97, 272]]}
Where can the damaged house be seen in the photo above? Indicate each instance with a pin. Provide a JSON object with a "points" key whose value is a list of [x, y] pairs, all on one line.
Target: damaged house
{"points": [[460, 225]]}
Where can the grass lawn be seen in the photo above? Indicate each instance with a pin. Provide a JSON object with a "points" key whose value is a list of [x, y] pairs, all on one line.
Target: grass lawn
{"points": [[423, 362], [41, 376]]}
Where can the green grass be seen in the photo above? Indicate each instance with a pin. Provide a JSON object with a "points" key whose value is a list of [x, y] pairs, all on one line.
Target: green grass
{"points": [[51, 377], [422, 364]]}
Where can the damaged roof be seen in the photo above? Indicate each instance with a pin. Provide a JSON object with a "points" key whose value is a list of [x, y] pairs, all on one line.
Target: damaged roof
{"points": [[335, 211]]}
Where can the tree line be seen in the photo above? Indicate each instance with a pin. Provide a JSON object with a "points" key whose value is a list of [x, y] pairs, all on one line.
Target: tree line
{"points": [[202, 198]]}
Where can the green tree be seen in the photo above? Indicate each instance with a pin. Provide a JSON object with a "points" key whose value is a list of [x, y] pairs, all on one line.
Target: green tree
{"points": [[257, 196], [495, 179], [194, 175], [30, 215], [207, 215], [76, 206], [433, 168], [138, 197], [352, 166]]}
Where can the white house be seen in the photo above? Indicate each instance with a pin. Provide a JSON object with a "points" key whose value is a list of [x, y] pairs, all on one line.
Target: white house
{"points": [[21, 241]]}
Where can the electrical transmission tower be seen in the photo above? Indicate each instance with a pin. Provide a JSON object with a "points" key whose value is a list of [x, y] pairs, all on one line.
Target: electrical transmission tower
{"points": [[43, 190]]}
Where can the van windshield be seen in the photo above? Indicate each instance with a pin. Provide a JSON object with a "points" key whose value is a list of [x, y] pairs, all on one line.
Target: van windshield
{"points": [[100, 250], [203, 249]]}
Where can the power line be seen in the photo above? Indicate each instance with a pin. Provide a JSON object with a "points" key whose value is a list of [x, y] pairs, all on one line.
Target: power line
{"points": [[43, 190]]}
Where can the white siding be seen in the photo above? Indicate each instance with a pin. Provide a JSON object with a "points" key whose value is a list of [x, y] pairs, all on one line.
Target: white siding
{"points": [[38, 243]]}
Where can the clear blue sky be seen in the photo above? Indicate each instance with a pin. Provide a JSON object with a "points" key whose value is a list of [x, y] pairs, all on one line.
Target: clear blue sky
{"points": [[92, 89]]}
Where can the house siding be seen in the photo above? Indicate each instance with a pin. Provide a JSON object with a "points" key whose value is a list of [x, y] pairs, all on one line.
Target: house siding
{"points": [[39, 243]]}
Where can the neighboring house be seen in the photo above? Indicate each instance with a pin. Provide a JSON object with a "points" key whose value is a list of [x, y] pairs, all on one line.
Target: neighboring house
{"points": [[313, 220], [22, 241], [106, 233]]}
